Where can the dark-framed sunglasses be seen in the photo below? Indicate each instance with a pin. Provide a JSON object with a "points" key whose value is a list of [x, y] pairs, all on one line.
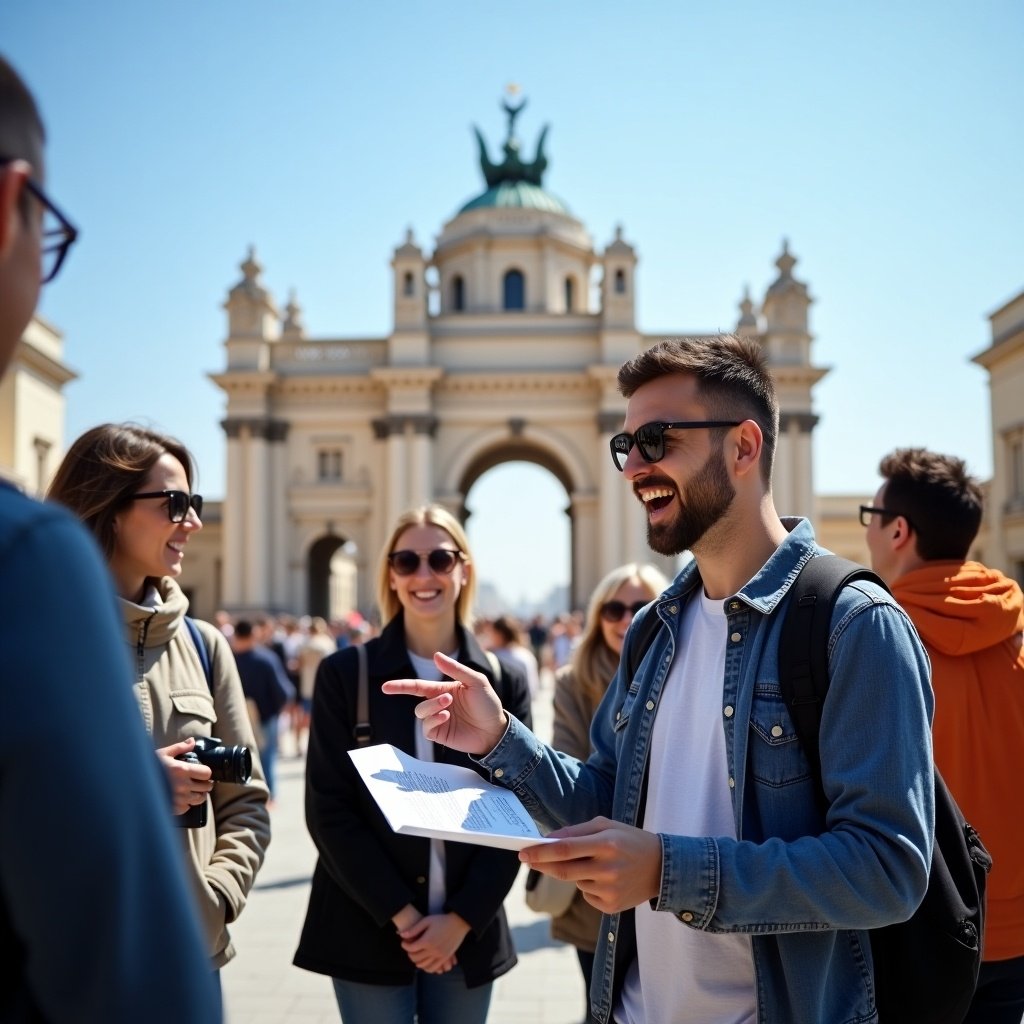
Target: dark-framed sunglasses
{"points": [[441, 561], [613, 611], [867, 511], [178, 503], [650, 439], [58, 232]]}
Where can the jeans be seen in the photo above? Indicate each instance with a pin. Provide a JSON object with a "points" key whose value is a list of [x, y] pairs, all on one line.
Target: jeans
{"points": [[430, 999], [268, 752], [999, 997]]}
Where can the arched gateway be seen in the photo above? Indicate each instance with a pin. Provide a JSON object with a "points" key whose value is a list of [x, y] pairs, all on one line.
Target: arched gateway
{"points": [[501, 356]]}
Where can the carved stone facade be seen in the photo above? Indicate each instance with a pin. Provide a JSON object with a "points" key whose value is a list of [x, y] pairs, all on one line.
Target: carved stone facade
{"points": [[506, 342], [32, 408], [1004, 505]]}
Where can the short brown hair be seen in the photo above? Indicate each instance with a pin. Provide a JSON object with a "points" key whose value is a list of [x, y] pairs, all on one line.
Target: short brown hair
{"points": [[732, 378], [21, 127], [104, 467], [940, 500]]}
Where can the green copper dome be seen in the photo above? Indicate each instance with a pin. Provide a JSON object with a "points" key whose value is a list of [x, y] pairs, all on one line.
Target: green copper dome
{"points": [[523, 194], [514, 183]]}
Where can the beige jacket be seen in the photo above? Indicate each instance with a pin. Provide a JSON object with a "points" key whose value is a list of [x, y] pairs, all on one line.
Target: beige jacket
{"points": [[580, 923], [175, 700]]}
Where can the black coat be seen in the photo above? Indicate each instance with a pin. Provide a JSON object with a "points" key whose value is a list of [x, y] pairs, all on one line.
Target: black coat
{"points": [[365, 872]]}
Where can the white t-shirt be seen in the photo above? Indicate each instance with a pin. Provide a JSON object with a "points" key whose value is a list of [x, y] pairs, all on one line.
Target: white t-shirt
{"points": [[681, 974], [426, 669]]}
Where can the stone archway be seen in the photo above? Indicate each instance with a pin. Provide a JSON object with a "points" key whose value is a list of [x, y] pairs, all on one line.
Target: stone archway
{"points": [[519, 450], [331, 577]]}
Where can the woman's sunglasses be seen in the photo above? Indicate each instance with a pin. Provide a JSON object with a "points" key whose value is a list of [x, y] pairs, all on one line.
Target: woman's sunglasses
{"points": [[612, 611], [441, 560], [178, 503]]}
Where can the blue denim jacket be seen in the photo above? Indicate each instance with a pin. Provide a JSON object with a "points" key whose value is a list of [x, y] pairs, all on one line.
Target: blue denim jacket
{"points": [[803, 887]]}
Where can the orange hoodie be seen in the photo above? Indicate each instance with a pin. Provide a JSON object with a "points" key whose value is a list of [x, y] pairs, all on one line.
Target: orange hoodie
{"points": [[971, 620]]}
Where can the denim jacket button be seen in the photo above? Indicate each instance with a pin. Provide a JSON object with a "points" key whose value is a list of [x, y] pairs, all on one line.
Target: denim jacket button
{"points": [[734, 606], [736, 637], [728, 711], [672, 609], [499, 773], [650, 705], [777, 731], [611, 936], [732, 782], [686, 916]]}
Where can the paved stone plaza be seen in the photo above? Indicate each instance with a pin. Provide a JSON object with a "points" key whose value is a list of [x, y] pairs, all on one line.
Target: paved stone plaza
{"points": [[262, 987]]}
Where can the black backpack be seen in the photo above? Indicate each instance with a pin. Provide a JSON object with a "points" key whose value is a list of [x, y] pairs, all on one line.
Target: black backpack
{"points": [[926, 968]]}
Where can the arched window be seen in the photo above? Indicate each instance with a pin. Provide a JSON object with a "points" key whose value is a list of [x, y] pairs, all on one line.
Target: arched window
{"points": [[570, 295], [458, 294], [408, 284], [620, 282], [515, 290]]}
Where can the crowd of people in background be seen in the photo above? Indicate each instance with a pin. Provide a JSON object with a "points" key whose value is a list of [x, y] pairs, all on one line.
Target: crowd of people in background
{"points": [[280, 698]]}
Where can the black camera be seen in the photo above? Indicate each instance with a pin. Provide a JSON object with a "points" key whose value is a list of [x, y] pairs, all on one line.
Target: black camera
{"points": [[228, 764]]}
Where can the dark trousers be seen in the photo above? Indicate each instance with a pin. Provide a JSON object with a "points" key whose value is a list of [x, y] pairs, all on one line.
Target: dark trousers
{"points": [[999, 997]]}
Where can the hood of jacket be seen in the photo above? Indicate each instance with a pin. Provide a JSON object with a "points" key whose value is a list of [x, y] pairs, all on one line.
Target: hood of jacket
{"points": [[961, 607], [163, 621]]}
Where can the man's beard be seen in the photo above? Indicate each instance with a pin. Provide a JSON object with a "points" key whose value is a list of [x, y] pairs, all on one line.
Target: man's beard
{"points": [[704, 502]]}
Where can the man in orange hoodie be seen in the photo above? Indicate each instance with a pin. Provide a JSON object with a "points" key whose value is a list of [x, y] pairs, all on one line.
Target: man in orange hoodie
{"points": [[971, 618]]}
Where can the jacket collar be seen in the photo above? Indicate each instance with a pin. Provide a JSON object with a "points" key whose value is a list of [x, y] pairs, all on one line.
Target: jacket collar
{"points": [[770, 583], [392, 655]]}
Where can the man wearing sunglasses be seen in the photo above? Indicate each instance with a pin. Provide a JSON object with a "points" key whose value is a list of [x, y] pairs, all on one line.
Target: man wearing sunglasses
{"points": [[728, 895], [920, 529], [96, 921]]}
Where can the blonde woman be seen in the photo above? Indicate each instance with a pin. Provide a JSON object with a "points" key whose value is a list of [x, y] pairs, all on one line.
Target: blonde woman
{"points": [[579, 687], [410, 929]]}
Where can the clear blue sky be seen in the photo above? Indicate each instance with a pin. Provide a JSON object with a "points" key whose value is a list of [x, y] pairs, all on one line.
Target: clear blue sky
{"points": [[883, 140]]}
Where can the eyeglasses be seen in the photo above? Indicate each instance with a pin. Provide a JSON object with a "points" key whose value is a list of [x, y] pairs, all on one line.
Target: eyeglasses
{"points": [[58, 232], [441, 561], [613, 611], [867, 511], [650, 439], [178, 503]]}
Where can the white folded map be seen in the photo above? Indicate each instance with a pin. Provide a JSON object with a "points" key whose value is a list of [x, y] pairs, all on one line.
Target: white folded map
{"points": [[443, 801]]}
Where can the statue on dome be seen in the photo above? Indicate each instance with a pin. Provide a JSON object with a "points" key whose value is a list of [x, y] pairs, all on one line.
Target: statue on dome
{"points": [[513, 168]]}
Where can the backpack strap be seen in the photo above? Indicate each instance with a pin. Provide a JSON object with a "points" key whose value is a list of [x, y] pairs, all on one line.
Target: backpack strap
{"points": [[363, 731], [803, 647], [639, 640], [201, 650]]}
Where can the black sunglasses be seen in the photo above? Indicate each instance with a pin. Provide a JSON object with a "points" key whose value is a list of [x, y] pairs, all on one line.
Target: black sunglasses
{"points": [[612, 611], [867, 511], [441, 560], [58, 232], [650, 439], [178, 503]]}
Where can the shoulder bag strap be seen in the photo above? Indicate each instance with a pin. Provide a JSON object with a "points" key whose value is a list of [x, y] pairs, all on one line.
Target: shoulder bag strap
{"points": [[363, 731], [201, 650]]}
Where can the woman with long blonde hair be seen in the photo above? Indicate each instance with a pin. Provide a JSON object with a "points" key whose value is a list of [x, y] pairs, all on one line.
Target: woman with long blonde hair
{"points": [[409, 929], [579, 688]]}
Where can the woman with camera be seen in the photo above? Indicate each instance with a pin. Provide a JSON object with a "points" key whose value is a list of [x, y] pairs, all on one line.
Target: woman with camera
{"points": [[410, 929], [132, 488], [579, 687]]}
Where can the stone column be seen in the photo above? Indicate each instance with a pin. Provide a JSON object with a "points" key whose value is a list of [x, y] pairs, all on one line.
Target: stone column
{"points": [[259, 512], [277, 434], [424, 429], [612, 485], [234, 544]]}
